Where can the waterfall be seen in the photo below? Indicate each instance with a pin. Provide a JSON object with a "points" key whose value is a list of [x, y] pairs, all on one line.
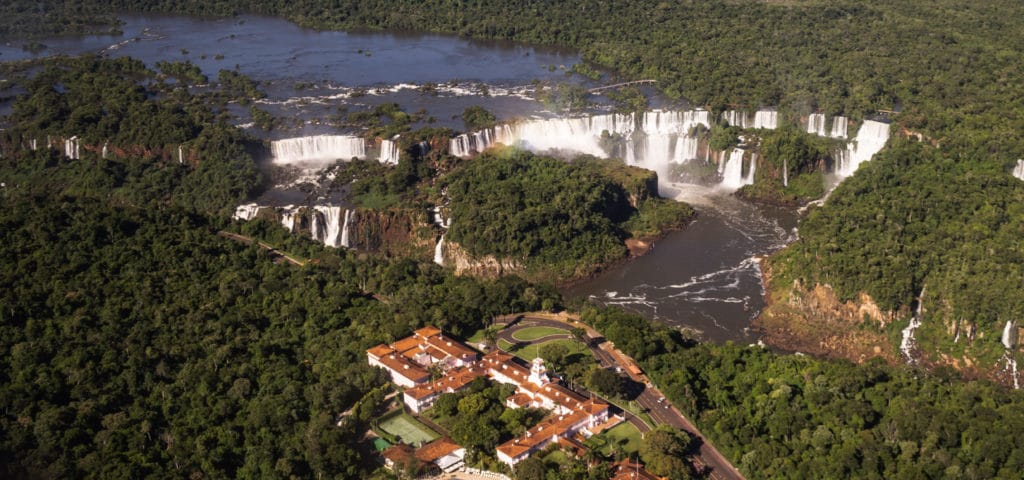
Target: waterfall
{"points": [[439, 219], [246, 212], [439, 251], [330, 229], [288, 217], [103, 154], [651, 139], [389, 151], [870, 139], [345, 239], [749, 179], [323, 149], [34, 144], [785, 173], [686, 149], [1011, 365], [816, 124], [731, 170], [181, 156], [1009, 335], [735, 118], [768, 119], [657, 131], [71, 148], [907, 343], [1018, 171], [838, 127]]}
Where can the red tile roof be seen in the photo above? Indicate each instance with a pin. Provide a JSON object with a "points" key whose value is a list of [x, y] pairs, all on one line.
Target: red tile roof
{"points": [[433, 451]]}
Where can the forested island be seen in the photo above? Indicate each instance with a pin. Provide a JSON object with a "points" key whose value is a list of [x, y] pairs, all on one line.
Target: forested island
{"points": [[137, 342]]}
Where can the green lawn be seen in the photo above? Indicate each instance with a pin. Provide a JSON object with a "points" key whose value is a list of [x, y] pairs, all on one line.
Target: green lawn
{"points": [[532, 333], [408, 429], [624, 438]]}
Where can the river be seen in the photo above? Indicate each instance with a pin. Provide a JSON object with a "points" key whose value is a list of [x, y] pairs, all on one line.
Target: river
{"points": [[703, 277]]}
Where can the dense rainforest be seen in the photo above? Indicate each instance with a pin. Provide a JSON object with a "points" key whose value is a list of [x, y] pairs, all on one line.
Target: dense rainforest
{"points": [[561, 219], [137, 343], [793, 416]]}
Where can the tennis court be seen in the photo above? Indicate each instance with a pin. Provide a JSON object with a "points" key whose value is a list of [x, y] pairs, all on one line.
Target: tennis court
{"points": [[407, 429]]}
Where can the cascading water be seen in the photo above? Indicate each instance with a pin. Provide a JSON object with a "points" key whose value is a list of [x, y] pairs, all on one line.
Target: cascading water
{"points": [[735, 118], [907, 343], [1018, 171], [330, 229], [181, 155], [71, 148], [1009, 341], [816, 124], [389, 151], [103, 154], [288, 217], [839, 125], [749, 179], [870, 139], [439, 251], [651, 140], [785, 172], [731, 171], [1009, 338], [246, 212], [346, 240], [319, 149], [768, 119]]}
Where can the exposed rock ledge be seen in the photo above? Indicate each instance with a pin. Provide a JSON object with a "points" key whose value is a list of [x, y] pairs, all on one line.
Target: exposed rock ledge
{"points": [[484, 267], [814, 321]]}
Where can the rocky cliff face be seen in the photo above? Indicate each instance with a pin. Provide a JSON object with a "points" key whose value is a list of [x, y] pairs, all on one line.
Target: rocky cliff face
{"points": [[74, 148], [484, 267], [812, 319], [394, 232]]}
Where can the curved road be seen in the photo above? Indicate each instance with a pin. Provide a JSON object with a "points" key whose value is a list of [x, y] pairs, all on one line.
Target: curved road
{"points": [[661, 411]]}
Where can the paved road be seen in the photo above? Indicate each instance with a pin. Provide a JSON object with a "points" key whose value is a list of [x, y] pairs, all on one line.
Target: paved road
{"points": [[661, 411]]}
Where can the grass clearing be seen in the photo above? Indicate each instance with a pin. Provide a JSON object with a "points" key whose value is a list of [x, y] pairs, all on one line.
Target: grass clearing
{"points": [[624, 438], [408, 429], [532, 333]]}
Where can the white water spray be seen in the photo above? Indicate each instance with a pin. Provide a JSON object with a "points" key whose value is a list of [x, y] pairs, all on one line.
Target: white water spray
{"points": [[246, 212], [329, 230], [71, 148], [346, 240], [907, 343], [288, 217], [320, 149], [870, 139], [439, 251], [389, 151], [839, 126], [1018, 171], [816, 124]]}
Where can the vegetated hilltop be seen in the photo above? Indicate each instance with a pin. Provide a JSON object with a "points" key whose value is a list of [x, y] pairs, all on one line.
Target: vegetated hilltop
{"points": [[138, 343], [794, 416], [547, 218], [948, 69]]}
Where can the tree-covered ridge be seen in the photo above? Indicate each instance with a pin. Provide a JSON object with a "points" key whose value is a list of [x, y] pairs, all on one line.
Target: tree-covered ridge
{"points": [[136, 342], [163, 138], [565, 218], [916, 219], [792, 416]]}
